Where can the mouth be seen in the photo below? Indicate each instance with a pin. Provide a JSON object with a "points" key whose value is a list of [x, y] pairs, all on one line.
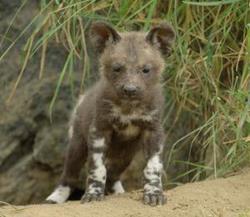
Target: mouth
{"points": [[130, 97]]}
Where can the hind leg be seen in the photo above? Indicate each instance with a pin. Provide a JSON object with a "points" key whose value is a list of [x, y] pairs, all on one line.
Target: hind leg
{"points": [[76, 156], [113, 182], [118, 162]]}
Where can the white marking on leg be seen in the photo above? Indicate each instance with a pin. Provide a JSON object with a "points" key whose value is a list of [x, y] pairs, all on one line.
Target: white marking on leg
{"points": [[97, 158], [60, 194], [99, 143], [73, 115], [93, 189], [150, 188], [118, 188], [99, 173], [152, 173], [154, 165], [70, 131], [97, 169], [79, 102]]}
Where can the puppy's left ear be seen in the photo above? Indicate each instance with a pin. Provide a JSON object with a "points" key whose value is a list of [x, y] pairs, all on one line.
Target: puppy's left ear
{"points": [[161, 37], [100, 34]]}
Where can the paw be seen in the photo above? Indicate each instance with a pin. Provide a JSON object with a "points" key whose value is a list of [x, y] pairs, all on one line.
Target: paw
{"points": [[59, 195], [88, 197], [118, 188], [49, 202], [154, 199]]}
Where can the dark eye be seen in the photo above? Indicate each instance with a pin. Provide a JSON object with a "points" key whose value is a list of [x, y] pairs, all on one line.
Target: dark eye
{"points": [[117, 67], [146, 69]]}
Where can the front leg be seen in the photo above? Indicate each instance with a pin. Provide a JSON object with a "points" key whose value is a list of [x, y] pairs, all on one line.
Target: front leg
{"points": [[96, 169], [153, 193]]}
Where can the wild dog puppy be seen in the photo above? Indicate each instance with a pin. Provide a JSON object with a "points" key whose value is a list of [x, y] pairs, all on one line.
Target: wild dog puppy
{"points": [[119, 115]]}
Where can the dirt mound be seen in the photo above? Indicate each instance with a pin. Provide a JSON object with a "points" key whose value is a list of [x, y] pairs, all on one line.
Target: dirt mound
{"points": [[222, 197]]}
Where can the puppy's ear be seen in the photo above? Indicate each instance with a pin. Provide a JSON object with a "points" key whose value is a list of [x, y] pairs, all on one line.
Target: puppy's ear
{"points": [[101, 34], [161, 37]]}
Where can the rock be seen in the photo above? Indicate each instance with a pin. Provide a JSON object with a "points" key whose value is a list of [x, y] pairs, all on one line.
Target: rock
{"points": [[32, 147]]}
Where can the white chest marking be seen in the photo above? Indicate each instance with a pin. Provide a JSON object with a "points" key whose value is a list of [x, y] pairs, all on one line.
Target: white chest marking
{"points": [[130, 131], [135, 115]]}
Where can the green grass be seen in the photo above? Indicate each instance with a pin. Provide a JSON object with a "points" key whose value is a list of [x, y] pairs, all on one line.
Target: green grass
{"points": [[207, 76]]}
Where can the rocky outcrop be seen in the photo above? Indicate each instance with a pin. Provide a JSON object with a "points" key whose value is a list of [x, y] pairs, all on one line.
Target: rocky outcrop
{"points": [[31, 146]]}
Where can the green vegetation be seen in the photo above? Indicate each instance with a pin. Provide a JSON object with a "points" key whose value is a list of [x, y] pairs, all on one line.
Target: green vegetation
{"points": [[207, 76]]}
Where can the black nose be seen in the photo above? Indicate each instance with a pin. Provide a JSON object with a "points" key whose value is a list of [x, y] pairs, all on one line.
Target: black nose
{"points": [[130, 89]]}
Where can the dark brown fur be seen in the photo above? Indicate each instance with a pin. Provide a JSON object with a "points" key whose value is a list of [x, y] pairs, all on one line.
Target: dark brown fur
{"points": [[127, 120]]}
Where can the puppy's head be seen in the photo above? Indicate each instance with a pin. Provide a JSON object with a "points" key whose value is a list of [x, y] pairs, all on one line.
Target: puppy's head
{"points": [[131, 62]]}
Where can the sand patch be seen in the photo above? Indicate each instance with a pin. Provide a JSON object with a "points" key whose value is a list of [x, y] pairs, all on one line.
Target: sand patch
{"points": [[225, 197]]}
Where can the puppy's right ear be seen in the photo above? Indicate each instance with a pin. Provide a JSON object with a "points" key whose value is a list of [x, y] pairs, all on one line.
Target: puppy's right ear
{"points": [[161, 37], [101, 34]]}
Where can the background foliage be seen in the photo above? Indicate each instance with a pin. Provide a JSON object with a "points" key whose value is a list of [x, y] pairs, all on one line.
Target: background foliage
{"points": [[206, 80]]}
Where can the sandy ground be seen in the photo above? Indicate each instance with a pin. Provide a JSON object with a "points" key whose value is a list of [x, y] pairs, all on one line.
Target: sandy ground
{"points": [[222, 197]]}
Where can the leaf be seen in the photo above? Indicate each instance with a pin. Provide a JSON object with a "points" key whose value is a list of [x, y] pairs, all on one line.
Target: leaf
{"points": [[212, 3]]}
